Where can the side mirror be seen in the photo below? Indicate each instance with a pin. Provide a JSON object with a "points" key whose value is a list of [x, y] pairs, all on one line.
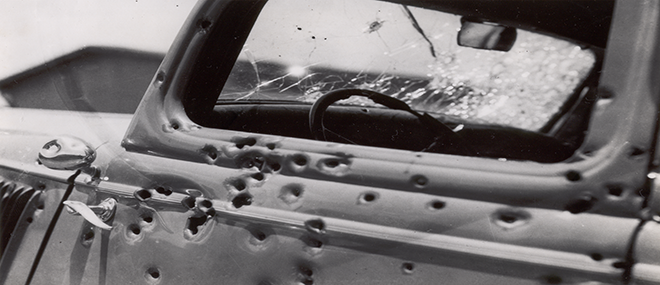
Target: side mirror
{"points": [[489, 36]]}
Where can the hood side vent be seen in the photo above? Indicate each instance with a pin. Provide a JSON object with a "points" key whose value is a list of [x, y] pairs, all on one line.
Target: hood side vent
{"points": [[13, 201]]}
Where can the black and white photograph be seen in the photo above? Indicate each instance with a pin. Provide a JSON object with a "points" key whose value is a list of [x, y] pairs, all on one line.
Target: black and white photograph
{"points": [[310, 142]]}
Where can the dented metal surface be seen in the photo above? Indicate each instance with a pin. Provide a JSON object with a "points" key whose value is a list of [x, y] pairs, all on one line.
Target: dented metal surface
{"points": [[202, 205]]}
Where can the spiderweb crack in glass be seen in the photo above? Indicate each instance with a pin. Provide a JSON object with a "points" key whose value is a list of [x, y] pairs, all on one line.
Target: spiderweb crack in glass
{"points": [[307, 54]]}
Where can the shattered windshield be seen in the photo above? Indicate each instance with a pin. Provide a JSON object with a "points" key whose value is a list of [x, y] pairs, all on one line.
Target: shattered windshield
{"points": [[299, 50]]}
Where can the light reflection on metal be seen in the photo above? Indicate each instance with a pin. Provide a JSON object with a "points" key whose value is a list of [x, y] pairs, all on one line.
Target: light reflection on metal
{"points": [[70, 153], [97, 215]]}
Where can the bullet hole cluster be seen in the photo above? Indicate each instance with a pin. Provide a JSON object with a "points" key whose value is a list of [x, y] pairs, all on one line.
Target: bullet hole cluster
{"points": [[242, 142], [202, 212]]}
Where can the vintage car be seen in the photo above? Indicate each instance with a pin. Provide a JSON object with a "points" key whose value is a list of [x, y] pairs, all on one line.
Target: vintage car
{"points": [[355, 142]]}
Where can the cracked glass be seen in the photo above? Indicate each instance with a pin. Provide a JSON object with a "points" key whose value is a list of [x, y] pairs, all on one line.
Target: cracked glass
{"points": [[300, 50]]}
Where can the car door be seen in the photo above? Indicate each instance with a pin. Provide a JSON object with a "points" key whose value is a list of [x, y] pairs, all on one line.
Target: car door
{"points": [[194, 202]]}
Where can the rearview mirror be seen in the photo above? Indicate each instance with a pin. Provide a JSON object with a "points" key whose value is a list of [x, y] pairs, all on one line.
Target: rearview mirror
{"points": [[487, 36]]}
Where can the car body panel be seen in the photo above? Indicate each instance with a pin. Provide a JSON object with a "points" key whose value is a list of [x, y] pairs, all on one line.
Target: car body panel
{"points": [[202, 205]]}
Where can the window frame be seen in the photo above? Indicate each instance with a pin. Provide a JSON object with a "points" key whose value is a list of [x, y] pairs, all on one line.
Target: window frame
{"points": [[616, 152]]}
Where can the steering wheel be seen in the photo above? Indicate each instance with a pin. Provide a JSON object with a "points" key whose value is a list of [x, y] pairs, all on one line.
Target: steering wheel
{"points": [[321, 105]]}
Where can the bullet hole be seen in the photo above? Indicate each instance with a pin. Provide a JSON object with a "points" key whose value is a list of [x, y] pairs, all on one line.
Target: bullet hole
{"points": [[582, 204], [202, 211], [636, 152], [174, 125], [40, 186], [39, 162], [275, 166], [142, 195], [40, 206], [337, 166], [213, 155], [298, 28], [195, 222], [336, 162], [29, 220], [251, 159], [615, 190], [316, 226], [87, 238], [573, 176], [299, 159], [88, 235], [305, 275], [163, 190], [313, 37], [510, 217], [331, 163], [436, 205], [243, 199], [295, 190], [620, 264], [203, 25], [160, 77], [364, 110], [552, 279], [258, 238], [206, 203], [242, 142], [419, 180], [368, 197], [597, 256], [375, 26], [134, 229], [153, 274], [408, 267], [257, 176], [205, 206], [148, 219], [238, 183], [305, 271], [605, 93], [188, 202], [291, 193], [271, 146], [258, 235], [210, 152], [313, 242]]}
